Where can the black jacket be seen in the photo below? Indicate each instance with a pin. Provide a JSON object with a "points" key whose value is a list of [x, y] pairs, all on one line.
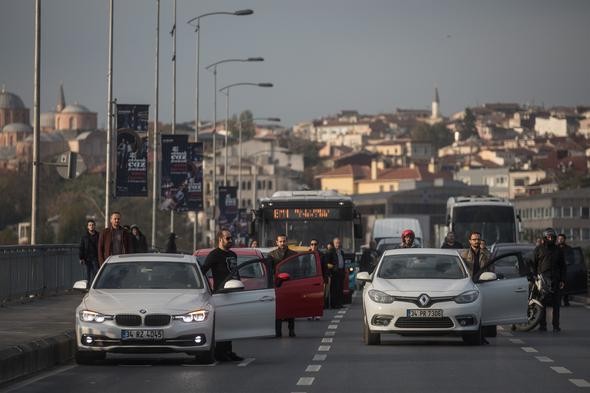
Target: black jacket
{"points": [[550, 259], [88, 250], [139, 243], [223, 265]]}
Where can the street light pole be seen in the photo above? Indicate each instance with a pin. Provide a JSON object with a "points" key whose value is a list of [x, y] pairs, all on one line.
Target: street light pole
{"points": [[173, 32], [196, 22], [155, 132], [36, 125]]}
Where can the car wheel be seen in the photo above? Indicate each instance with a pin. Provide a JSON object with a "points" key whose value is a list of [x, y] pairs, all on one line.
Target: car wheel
{"points": [[474, 338], [370, 338], [89, 357], [534, 317], [490, 331]]}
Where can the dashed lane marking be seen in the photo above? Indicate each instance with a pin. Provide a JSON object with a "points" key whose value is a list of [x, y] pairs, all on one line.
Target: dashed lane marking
{"points": [[338, 316], [330, 333], [324, 348], [516, 341], [199, 365], [327, 340], [561, 370], [505, 334], [332, 326], [341, 312], [313, 368], [305, 381], [319, 357], [246, 362], [335, 321], [544, 359], [581, 383], [529, 349]]}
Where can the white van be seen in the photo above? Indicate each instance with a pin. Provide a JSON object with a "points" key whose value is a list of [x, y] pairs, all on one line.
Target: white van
{"points": [[388, 231]]}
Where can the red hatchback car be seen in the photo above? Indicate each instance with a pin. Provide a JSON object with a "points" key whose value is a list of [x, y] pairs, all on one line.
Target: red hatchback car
{"points": [[298, 282]]}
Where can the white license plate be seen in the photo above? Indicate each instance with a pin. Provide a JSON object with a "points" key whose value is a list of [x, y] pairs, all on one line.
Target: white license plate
{"points": [[428, 313], [142, 334]]}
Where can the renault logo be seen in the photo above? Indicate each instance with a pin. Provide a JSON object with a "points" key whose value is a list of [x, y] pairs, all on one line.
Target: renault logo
{"points": [[423, 300], [143, 311]]}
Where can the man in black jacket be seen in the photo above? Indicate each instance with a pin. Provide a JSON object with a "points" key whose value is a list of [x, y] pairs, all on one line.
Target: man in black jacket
{"points": [[88, 251], [566, 249], [549, 262]]}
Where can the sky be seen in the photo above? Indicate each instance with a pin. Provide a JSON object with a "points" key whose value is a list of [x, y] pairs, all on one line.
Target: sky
{"points": [[322, 56]]}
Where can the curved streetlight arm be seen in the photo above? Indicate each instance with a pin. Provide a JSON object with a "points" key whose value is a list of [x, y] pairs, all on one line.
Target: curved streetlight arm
{"points": [[237, 13], [267, 119], [230, 60], [262, 84]]}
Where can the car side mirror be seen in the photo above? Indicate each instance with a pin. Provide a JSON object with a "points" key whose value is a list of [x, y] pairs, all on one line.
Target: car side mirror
{"points": [[487, 276], [363, 276], [81, 286], [232, 286], [282, 277]]}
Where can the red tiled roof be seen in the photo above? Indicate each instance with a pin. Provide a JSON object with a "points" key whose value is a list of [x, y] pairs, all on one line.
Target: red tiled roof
{"points": [[356, 171]]}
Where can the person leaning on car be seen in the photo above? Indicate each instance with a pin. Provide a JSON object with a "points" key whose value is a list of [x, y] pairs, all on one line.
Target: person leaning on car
{"points": [[278, 254], [475, 257], [548, 261], [223, 264]]}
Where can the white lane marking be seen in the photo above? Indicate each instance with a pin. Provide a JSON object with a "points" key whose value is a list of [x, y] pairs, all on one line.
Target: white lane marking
{"points": [[313, 368], [332, 326], [516, 341], [330, 333], [324, 348], [327, 340], [505, 334], [544, 359], [335, 321], [134, 365], [529, 349], [561, 370], [246, 362], [319, 358], [341, 312], [581, 383], [305, 381], [199, 365], [338, 316], [39, 378]]}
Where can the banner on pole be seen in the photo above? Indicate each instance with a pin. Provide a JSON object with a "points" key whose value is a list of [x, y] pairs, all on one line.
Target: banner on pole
{"points": [[195, 176], [174, 184], [132, 150], [228, 208]]}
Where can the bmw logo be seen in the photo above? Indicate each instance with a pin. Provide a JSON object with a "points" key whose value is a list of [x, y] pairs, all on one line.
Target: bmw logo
{"points": [[143, 311]]}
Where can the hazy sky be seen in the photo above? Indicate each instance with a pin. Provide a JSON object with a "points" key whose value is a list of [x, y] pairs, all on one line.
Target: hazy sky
{"points": [[322, 55]]}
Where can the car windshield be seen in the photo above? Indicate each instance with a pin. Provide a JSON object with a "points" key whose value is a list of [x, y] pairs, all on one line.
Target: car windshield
{"points": [[149, 275], [421, 266]]}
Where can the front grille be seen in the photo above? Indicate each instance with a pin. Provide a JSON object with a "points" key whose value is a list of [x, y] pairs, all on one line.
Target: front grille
{"points": [[423, 323], [128, 320], [156, 320]]}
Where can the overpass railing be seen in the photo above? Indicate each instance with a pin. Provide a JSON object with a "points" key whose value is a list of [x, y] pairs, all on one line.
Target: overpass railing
{"points": [[28, 271]]}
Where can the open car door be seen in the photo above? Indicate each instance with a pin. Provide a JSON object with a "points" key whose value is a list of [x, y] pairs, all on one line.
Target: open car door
{"points": [[248, 313], [505, 300], [302, 295]]}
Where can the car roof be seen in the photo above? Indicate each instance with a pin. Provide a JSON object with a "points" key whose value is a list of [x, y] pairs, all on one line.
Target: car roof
{"points": [[422, 251], [153, 257]]}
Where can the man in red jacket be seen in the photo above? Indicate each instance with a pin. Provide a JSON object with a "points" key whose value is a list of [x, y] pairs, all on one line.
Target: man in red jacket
{"points": [[113, 240]]}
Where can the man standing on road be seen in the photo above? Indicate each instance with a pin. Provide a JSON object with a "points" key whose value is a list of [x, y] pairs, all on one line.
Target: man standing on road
{"points": [[450, 241], [566, 249], [475, 257], [88, 251], [223, 264], [278, 254], [548, 261], [337, 271], [113, 240]]}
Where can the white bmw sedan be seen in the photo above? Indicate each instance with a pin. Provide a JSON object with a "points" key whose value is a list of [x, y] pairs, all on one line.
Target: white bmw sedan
{"points": [[152, 303], [422, 291]]}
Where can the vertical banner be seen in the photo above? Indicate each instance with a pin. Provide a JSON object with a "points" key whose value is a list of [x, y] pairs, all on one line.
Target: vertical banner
{"points": [[244, 219], [195, 176], [132, 150], [174, 184], [228, 208]]}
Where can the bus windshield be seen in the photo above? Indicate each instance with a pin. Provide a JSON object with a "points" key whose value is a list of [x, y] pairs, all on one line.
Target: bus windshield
{"points": [[496, 224], [299, 233]]}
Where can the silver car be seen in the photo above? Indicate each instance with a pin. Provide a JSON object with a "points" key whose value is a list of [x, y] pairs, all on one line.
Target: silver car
{"points": [[153, 303]]}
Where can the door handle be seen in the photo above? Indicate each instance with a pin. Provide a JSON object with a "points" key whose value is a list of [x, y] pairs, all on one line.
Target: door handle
{"points": [[266, 299]]}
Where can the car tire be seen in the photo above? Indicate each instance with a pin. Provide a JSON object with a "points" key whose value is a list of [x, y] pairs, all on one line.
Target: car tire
{"points": [[490, 331], [369, 337], [88, 357], [534, 317], [474, 338]]}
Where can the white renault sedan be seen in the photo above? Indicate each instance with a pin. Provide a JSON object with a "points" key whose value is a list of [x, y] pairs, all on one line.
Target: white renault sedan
{"points": [[425, 291], [154, 303]]}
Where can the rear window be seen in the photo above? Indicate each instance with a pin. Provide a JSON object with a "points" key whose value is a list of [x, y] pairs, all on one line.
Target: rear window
{"points": [[421, 266], [149, 275]]}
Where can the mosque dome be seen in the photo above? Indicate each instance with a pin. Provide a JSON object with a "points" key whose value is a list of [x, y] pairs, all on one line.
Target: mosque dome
{"points": [[10, 101], [75, 108], [17, 127]]}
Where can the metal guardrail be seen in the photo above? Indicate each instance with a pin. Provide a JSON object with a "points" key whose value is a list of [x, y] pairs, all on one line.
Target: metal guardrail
{"points": [[27, 271]]}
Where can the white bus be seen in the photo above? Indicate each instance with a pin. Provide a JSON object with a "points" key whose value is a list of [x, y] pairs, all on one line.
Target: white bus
{"points": [[495, 218]]}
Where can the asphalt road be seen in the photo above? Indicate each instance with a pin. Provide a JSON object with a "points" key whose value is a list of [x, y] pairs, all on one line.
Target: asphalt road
{"points": [[328, 356]]}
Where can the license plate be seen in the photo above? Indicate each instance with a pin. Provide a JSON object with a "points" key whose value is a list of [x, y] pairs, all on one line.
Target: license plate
{"points": [[428, 313], [142, 334]]}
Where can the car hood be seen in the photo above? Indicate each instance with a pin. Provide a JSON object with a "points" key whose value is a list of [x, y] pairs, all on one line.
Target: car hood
{"points": [[418, 286], [154, 301]]}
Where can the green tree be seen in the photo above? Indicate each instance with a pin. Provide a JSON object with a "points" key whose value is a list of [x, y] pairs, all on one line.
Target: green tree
{"points": [[437, 134], [467, 127]]}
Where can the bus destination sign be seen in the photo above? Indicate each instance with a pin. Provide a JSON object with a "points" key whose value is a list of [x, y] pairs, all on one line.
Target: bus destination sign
{"points": [[300, 213]]}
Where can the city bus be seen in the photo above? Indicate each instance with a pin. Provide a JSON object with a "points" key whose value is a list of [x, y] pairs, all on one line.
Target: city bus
{"points": [[495, 218], [306, 215]]}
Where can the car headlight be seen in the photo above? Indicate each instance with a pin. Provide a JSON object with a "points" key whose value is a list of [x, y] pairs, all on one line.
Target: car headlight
{"points": [[193, 316], [380, 297], [92, 316], [467, 297]]}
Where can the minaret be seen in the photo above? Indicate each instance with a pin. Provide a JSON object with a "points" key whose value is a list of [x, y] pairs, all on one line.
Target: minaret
{"points": [[61, 99], [435, 110]]}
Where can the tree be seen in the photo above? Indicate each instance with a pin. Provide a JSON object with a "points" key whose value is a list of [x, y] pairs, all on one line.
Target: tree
{"points": [[247, 123], [467, 127], [438, 135]]}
